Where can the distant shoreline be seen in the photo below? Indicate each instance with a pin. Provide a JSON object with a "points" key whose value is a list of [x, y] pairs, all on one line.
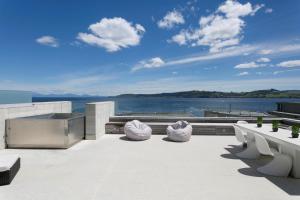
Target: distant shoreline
{"points": [[271, 93]]}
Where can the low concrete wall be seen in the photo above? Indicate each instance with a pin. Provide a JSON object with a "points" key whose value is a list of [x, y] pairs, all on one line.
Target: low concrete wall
{"points": [[159, 128], [97, 115], [9, 111], [190, 119]]}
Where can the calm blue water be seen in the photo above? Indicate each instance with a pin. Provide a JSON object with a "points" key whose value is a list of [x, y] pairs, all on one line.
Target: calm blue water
{"points": [[190, 106]]}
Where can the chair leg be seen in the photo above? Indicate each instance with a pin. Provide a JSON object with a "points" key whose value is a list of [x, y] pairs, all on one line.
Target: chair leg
{"points": [[281, 165], [250, 153]]}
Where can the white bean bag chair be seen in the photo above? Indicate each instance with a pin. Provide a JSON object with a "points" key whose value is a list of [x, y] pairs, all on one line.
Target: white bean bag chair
{"points": [[181, 131], [136, 130]]}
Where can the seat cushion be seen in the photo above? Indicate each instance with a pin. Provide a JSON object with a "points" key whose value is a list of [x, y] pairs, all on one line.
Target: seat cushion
{"points": [[181, 131], [136, 130], [7, 161]]}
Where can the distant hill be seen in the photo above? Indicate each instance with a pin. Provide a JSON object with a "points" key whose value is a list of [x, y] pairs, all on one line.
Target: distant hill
{"points": [[34, 94], [271, 93]]}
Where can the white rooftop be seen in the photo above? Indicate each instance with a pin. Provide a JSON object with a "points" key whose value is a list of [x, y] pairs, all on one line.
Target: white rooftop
{"points": [[113, 168]]}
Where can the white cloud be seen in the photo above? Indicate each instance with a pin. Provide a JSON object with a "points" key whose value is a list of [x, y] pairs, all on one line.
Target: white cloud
{"points": [[268, 10], [256, 8], [235, 9], [219, 30], [290, 63], [200, 58], [287, 48], [278, 72], [151, 63], [264, 60], [284, 71], [243, 74], [113, 34], [229, 52], [179, 39], [265, 51], [249, 65], [278, 48], [171, 19], [48, 41], [253, 64]]}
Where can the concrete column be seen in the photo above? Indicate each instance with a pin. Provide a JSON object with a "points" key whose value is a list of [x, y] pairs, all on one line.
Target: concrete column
{"points": [[8, 111], [97, 115]]}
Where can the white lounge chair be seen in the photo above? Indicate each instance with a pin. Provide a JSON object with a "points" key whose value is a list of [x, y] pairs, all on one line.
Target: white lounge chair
{"points": [[239, 134], [281, 164], [181, 131], [242, 122], [136, 130], [251, 151]]}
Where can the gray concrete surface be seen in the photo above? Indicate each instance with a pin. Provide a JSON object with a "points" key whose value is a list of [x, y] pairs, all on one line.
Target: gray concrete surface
{"points": [[97, 115], [8, 111], [112, 168]]}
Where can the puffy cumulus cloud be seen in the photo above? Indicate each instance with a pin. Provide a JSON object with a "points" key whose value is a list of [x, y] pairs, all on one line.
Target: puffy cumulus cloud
{"points": [[235, 9], [151, 63], [243, 74], [113, 34], [171, 19], [249, 65], [219, 30], [290, 63], [48, 41], [265, 60], [179, 39]]}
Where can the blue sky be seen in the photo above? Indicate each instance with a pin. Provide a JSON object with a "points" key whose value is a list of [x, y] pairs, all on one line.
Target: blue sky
{"points": [[114, 47]]}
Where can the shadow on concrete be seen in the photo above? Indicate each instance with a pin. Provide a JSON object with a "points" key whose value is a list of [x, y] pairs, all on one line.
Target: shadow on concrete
{"points": [[232, 155], [229, 156], [289, 185], [167, 139], [124, 138], [248, 171]]}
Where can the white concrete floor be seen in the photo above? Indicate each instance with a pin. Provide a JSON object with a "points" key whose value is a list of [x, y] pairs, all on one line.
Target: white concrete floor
{"points": [[113, 168]]}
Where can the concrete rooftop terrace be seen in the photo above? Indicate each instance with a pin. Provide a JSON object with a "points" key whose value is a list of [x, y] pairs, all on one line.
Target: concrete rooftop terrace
{"points": [[114, 168]]}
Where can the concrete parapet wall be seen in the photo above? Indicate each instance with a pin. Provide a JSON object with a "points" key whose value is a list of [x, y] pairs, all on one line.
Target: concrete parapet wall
{"points": [[97, 114], [159, 128], [9, 111], [191, 119]]}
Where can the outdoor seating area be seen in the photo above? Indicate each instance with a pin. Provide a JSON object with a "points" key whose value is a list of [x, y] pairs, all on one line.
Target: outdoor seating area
{"points": [[193, 156], [278, 144], [114, 168]]}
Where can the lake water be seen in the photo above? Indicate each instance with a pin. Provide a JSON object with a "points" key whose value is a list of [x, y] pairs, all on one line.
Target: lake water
{"points": [[178, 106]]}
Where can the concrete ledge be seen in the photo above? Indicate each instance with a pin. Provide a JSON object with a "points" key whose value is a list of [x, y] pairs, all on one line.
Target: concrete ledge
{"points": [[159, 128], [190, 119], [97, 114], [285, 114]]}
